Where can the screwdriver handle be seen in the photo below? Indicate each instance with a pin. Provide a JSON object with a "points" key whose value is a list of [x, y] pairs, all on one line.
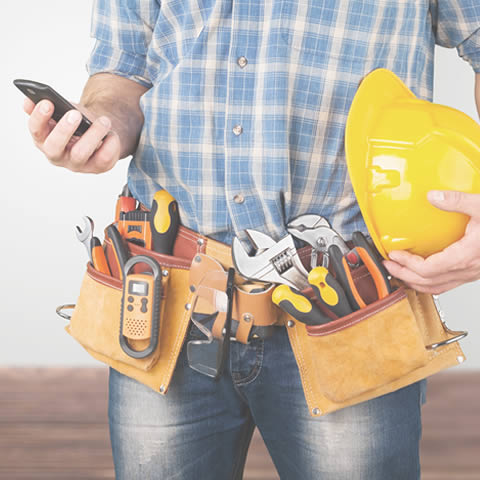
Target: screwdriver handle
{"points": [[164, 222], [99, 259], [329, 292], [298, 306], [342, 273]]}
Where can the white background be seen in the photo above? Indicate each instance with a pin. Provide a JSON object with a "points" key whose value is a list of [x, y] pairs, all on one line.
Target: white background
{"points": [[43, 263]]}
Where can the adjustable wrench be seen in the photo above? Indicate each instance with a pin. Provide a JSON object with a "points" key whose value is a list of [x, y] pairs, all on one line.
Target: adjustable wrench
{"points": [[85, 234], [274, 262], [316, 231]]}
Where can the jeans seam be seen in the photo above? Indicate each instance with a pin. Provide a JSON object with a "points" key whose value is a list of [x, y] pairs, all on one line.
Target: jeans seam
{"points": [[252, 376]]}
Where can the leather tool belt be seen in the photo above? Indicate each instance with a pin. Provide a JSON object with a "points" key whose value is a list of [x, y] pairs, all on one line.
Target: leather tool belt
{"points": [[391, 343]]}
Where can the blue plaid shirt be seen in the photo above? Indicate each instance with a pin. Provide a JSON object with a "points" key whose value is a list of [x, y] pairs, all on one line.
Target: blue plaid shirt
{"points": [[245, 115]]}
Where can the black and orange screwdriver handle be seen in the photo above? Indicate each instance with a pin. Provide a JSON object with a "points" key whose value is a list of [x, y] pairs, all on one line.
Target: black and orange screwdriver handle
{"points": [[164, 222], [298, 306], [99, 259], [329, 291]]}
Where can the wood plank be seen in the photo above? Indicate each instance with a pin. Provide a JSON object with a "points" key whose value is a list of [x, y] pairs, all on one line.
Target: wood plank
{"points": [[53, 425]]}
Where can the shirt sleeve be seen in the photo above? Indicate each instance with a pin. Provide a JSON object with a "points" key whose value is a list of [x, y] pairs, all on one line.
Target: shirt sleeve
{"points": [[456, 23], [123, 31]]}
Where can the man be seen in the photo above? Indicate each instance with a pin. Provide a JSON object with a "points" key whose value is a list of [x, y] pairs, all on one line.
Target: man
{"points": [[238, 109]]}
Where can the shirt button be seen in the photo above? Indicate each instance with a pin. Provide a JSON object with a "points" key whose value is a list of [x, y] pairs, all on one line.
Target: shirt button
{"points": [[237, 130], [239, 198], [242, 62]]}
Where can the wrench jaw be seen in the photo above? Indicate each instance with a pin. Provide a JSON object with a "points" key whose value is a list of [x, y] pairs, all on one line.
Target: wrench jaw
{"points": [[316, 231], [85, 234], [276, 262]]}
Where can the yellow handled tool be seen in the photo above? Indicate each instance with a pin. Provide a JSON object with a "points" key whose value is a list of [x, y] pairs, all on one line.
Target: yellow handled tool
{"points": [[164, 222], [298, 306], [329, 292]]}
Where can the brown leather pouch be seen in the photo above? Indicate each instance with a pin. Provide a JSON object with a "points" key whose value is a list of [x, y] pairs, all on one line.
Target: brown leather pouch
{"points": [[95, 322], [391, 343]]}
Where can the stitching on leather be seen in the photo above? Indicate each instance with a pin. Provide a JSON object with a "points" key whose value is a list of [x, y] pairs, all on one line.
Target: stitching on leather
{"points": [[422, 315], [308, 391], [102, 282], [356, 320], [173, 354]]}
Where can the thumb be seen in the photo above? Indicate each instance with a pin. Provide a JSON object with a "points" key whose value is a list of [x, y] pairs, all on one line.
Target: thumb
{"points": [[452, 201]]}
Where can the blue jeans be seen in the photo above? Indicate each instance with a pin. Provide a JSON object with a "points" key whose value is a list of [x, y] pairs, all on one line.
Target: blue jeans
{"points": [[202, 428]]}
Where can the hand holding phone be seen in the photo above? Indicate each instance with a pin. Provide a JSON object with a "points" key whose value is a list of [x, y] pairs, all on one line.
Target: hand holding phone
{"points": [[65, 135], [37, 91]]}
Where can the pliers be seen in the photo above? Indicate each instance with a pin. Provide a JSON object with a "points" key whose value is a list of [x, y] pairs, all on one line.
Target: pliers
{"points": [[366, 255]]}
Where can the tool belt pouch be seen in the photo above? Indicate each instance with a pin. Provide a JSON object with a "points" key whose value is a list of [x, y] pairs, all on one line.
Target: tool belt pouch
{"points": [[95, 322], [391, 343]]}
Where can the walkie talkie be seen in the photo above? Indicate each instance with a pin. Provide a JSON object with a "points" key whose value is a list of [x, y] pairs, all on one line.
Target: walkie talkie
{"points": [[140, 312]]}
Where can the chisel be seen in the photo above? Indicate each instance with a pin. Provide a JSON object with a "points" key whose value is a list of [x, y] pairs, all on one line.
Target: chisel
{"points": [[329, 292], [164, 222], [298, 306]]}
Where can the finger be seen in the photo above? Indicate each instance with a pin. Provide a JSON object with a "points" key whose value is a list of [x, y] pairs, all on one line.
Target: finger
{"points": [[451, 259], [106, 156], [28, 105], [437, 289], [88, 143], [452, 201], [39, 121], [55, 144], [403, 273]]}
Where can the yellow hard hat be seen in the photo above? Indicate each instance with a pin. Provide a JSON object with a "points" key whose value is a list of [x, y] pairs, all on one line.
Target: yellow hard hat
{"points": [[398, 148]]}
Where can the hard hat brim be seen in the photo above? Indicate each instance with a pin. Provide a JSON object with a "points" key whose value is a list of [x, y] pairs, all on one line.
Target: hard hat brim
{"points": [[377, 90]]}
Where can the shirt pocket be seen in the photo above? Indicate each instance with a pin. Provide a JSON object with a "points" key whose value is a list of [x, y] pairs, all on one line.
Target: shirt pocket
{"points": [[179, 28], [356, 30]]}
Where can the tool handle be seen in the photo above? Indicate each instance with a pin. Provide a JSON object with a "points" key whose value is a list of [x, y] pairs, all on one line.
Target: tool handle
{"points": [[164, 222], [99, 259], [342, 273], [298, 306], [359, 240], [329, 291], [382, 284], [119, 249]]}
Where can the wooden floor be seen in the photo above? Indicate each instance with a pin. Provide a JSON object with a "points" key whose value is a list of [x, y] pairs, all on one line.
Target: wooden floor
{"points": [[53, 426]]}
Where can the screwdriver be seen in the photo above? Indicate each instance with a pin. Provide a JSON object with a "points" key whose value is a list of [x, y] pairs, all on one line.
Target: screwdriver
{"points": [[298, 306], [329, 292], [164, 222]]}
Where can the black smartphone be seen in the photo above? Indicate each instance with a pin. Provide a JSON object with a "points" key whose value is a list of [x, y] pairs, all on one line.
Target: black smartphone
{"points": [[37, 91]]}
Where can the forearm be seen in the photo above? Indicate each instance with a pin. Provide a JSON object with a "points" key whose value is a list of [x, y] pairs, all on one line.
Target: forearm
{"points": [[119, 99]]}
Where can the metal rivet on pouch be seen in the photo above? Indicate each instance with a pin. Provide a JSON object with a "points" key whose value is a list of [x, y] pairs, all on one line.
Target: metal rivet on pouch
{"points": [[200, 241], [192, 288], [162, 388], [198, 258], [165, 273], [188, 306], [247, 317], [460, 359], [290, 323], [316, 411]]}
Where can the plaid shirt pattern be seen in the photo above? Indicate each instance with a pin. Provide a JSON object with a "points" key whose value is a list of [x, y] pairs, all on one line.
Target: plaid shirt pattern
{"points": [[246, 111]]}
